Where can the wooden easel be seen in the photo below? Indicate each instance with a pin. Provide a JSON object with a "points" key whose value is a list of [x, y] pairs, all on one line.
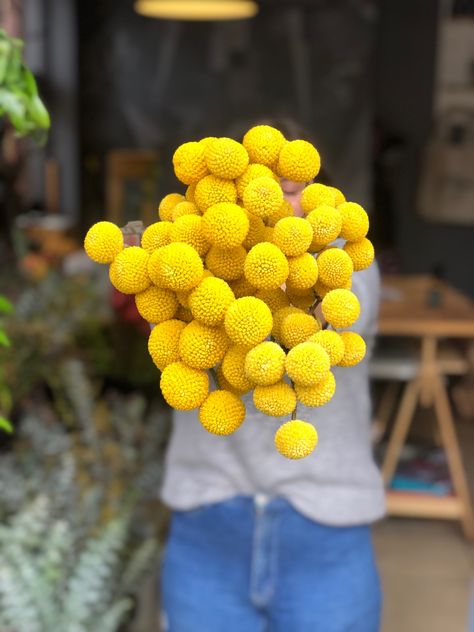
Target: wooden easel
{"points": [[454, 317]]}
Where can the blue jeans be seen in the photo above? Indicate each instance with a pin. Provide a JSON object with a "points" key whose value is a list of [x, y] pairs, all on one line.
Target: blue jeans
{"points": [[257, 565]]}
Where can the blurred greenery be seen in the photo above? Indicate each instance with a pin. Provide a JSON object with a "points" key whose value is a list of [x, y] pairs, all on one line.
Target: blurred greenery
{"points": [[5, 393], [62, 317], [87, 452], [19, 98]]}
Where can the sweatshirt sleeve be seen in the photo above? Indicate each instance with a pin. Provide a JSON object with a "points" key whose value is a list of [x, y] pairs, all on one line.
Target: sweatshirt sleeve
{"points": [[366, 286]]}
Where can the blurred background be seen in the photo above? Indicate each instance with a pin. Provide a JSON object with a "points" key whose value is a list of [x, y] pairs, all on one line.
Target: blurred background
{"points": [[386, 90]]}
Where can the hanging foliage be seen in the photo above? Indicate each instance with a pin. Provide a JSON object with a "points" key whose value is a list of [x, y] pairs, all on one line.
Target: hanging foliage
{"points": [[20, 102]]}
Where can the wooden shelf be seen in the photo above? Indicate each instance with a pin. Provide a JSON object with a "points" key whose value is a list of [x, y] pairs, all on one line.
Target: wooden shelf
{"points": [[419, 505]]}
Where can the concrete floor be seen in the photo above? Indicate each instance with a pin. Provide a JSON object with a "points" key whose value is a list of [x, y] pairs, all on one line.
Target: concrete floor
{"points": [[426, 569]]}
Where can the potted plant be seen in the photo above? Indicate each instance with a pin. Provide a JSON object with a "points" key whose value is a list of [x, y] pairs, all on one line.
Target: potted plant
{"points": [[20, 102]]}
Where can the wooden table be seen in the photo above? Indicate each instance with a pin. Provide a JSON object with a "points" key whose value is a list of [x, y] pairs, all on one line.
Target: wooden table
{"points": [[431, 310]]}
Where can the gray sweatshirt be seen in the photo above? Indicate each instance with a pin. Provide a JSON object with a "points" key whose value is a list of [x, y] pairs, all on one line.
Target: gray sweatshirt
{"points": [[338, 484]]}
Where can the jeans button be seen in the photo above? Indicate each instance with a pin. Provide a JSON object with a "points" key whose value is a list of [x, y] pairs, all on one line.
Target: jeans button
{"points": [[261, 500]]}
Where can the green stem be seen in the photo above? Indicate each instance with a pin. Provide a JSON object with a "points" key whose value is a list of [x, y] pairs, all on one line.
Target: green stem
{"points": [[293, 414], [314, 305]]}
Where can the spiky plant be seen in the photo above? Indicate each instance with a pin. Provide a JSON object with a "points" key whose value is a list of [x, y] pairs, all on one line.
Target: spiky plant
{"points": [[52, 578], [77, 535]]}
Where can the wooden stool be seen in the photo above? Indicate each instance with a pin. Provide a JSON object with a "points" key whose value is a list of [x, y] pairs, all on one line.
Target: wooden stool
{"points": [[424, 376]]}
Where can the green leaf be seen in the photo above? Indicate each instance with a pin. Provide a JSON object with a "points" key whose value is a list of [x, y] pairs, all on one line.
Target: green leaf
{"points": [[30, 82], [19, 99], [13, 71], [6, 425], [6, 399], [4, 339], [5, 306], [4, 55], [12, 104], [38, 113]]}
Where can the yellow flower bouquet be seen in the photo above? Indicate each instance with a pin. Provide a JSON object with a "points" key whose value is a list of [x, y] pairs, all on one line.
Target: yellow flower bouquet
{"points": [[240, 288]]}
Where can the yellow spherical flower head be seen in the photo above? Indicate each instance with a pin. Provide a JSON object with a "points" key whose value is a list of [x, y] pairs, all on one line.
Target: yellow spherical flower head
{"points": [[265, 363], [285, 210], [103, 242], [303, 272], [307, 363], [332, 342], [299, 161], [189, 162], [225, 385], [184, 208], [176, 267], [296, 439], [263, 144], [256, 232], [183, 297], [251, 172], [156, 235], [167, 205], [248, 321], [210, 300], [268, 234], [212, 190], [275, 400], [297, 328], [321, 289], [266, 267], [291, 290], [131, 270], [319, 394], [207, 140], [227, 264], [241, 287], [163, 342], [222, 412], [341, 308], [340, 198], [326, 223], [355, 221], [156, 305], [316, 195], [112, 274], [280, 315], [183, 387], [233, 368], [354, 348], [188, 229], [184, 314], [225, 225], [226, 158], [263, 196], [361, 252], [335, 267], [300, 298], [292, 235], [189, 195], [275, 299], [202, 347]]}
